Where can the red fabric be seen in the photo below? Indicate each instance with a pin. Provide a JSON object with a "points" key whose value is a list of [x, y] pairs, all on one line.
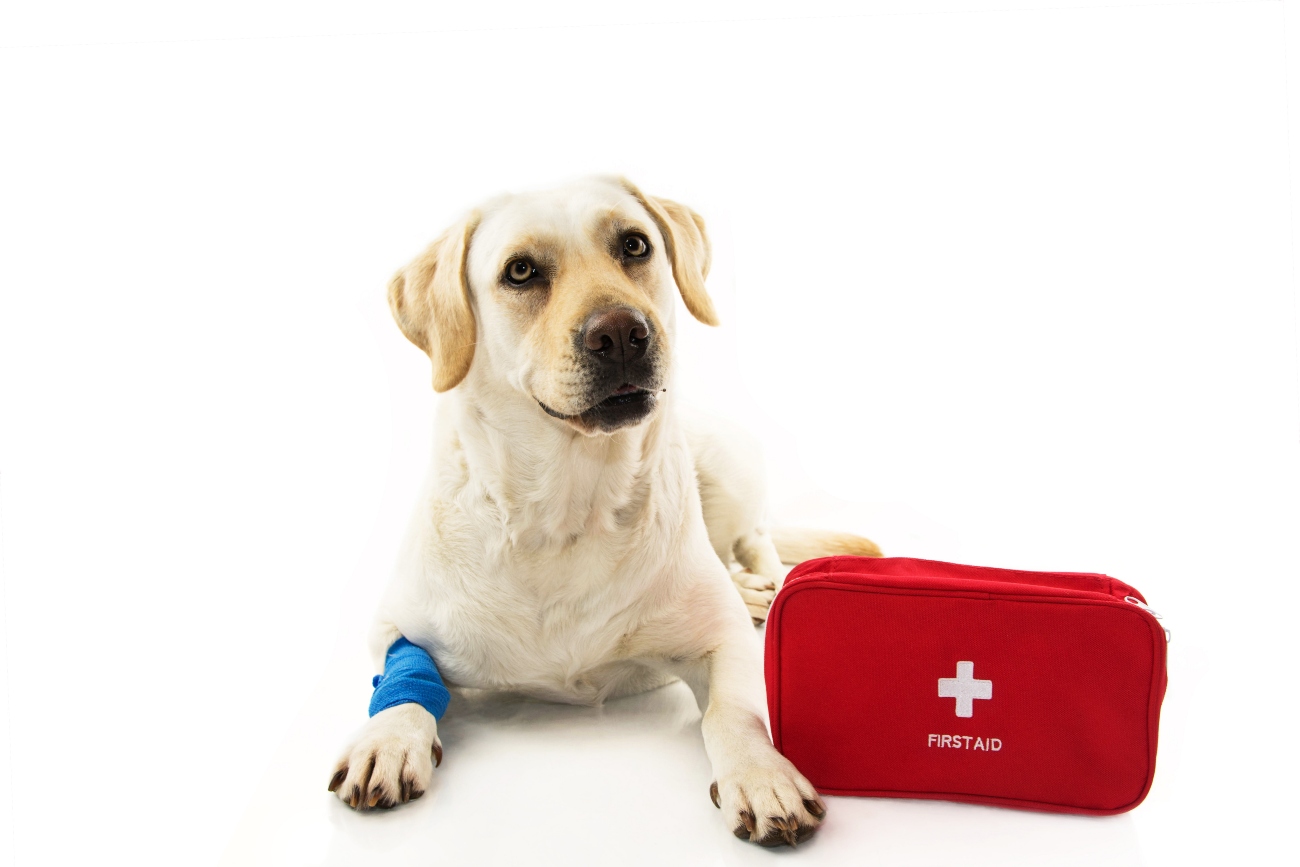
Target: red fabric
{"points": [[856, 647]]}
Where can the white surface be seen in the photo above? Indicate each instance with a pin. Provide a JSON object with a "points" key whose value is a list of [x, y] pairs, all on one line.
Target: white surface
{"points": [[1006, 287]]}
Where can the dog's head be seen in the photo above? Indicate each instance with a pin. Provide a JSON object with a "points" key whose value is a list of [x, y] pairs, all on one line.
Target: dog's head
{"points": [[565, 297]]}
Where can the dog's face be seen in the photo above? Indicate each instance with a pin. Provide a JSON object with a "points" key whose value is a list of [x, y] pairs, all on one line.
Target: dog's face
{"points": [[563, 297]]}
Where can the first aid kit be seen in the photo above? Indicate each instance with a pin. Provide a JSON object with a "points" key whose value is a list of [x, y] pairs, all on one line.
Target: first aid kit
{"points": [[907, 678]]}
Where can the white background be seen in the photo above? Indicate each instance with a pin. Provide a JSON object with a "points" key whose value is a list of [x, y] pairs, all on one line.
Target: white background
{"points": [[1002, 286]]}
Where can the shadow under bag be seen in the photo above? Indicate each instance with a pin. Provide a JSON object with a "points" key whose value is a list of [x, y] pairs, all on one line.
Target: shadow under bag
{"points": [[905, 678]]}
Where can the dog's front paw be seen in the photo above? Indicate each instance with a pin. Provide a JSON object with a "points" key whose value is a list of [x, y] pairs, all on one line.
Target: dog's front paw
{"points": [[392, 761], [757, 591], [771, 804]]}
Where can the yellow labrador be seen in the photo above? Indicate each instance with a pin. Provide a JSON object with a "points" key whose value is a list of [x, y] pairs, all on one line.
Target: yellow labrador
{"points": [[576, 535]]}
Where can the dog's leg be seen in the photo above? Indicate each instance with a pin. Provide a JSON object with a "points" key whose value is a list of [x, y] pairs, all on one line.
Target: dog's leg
{"points": [[756, 552], [762, 796], [392, 760], [729, 476]]}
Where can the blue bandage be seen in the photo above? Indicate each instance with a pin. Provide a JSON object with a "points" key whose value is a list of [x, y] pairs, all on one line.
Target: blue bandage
{"points": [[409, 677]]}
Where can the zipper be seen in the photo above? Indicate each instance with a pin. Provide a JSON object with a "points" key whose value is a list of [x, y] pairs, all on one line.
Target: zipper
{"points": [[1133, 600]]}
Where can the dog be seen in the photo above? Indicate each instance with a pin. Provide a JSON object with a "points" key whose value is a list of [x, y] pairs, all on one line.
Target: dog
{"points": [[581, 537]]}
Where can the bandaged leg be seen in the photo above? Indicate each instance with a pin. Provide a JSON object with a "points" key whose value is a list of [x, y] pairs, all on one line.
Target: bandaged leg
{"points": [[392, 760]]}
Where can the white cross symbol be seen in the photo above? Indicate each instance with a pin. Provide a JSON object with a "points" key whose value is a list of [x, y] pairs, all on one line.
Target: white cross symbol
{"points": [[965, 688]]}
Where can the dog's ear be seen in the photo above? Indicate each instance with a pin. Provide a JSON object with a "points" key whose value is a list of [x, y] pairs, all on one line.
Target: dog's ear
{"points": [[430, 301], [688, 250]]}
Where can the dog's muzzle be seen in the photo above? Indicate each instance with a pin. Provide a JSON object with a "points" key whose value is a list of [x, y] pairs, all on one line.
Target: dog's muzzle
{"points": [[621, 355]]}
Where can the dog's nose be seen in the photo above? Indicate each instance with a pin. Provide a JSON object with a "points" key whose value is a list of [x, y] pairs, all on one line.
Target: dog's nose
{"points": [[617, 335]]}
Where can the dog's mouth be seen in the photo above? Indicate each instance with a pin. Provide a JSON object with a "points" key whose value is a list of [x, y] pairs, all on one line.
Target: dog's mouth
{"points": [[626, 405], [625, 394]]}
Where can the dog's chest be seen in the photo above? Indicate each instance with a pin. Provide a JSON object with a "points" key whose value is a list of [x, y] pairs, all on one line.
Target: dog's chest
{"points": [[539, 581], [550, 626]]}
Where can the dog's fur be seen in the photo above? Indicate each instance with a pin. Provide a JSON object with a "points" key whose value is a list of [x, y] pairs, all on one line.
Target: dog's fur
{"points": [[571, 543]]}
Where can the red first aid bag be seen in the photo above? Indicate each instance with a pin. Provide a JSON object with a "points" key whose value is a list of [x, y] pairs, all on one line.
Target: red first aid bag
{"points": [[906, 678]]}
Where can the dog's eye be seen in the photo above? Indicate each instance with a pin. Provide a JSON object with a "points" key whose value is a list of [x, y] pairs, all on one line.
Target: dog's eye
{"points": [[520, 271], [636, 246]]}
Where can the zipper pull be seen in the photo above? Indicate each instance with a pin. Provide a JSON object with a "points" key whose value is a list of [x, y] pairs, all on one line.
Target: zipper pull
{"points": [[1149, 610]]}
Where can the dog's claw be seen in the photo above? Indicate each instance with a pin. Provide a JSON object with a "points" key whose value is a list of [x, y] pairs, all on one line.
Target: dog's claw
{"points": [[338, 779], [356, 797], [713, 793], [815, 806], [782, 833], [437, 754]]}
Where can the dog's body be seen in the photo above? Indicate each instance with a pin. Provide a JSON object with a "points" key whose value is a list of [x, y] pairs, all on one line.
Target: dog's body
{"points": [[574, 539]]}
